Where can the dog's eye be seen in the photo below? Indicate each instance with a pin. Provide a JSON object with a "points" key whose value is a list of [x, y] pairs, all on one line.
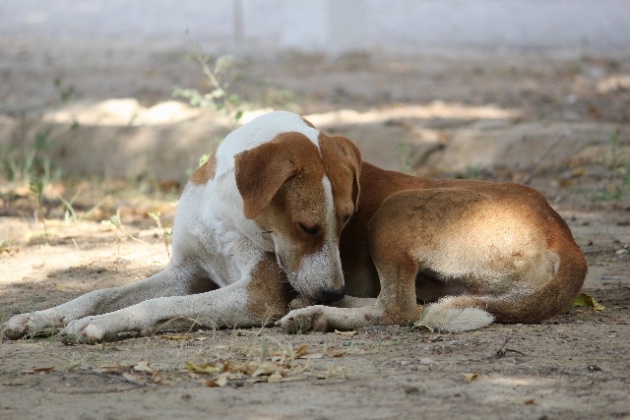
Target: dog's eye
{"points": [[345, 219], [310, 230]]}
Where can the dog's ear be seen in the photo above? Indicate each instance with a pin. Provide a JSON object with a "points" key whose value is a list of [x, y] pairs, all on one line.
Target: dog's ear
{"points": [[340, 154], [260, 172]]}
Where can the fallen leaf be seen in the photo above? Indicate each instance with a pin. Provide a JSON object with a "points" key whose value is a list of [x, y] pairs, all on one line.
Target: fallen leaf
{"points": [[143, 366], [330, 352], [266, 368], [471, 376], [347, 333], [211, 383], [176, 337], [112, 368], [275, 377], [586, 301], [301, 351], [222, 379], [133, 378], [73, 365], [39, 370], [311, 356], [207, 368]]}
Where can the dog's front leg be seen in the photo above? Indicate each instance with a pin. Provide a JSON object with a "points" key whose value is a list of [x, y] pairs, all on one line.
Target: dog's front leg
{"points": [[396, 304], [260, 298], [172, 281]]}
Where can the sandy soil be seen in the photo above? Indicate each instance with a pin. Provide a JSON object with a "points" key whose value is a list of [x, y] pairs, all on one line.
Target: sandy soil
{"points": [[574, 366]]}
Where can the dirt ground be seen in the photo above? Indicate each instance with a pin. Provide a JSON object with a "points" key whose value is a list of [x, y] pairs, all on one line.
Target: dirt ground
{"points": [[576, 365]]}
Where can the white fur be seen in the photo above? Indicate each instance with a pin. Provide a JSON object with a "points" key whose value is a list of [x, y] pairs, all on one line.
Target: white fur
{"points": [[443, 316], [212, 215], [259, 131]]}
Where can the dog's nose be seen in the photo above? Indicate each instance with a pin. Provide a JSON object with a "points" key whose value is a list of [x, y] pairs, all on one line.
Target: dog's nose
{"points": [[333, 295]]}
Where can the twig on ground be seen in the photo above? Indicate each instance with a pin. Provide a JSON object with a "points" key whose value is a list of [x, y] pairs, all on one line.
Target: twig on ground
{"points": [[503, 351]]}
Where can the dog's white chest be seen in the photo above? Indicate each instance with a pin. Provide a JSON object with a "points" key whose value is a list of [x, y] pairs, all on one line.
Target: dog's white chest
{"points": [[215, 241]]}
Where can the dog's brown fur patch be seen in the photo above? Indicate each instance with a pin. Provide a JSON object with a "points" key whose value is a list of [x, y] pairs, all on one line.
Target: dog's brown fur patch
{"points": [[205, 172]]}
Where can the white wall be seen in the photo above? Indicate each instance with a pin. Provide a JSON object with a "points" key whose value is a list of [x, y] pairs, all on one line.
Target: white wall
{"points": [[333, 25]]}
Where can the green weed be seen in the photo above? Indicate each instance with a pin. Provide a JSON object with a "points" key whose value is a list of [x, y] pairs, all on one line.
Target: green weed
{"points": [[403, 150]]}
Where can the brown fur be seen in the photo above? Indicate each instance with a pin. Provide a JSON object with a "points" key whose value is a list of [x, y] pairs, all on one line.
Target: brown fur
{"points": [[416, 240], [205, 172], [439, 204], [268, 294]]}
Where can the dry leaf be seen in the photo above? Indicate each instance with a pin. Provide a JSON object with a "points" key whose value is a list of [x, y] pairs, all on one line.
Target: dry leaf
{"points": [[301, 350], [133, 378], [222, 379], [176, 337], [471, 376], [112, 368], [347, 333], [143, 366], [586, 301], [207, 368], [73, 365], [330, 352], [39, 370], [265, 368], [311, 356], [276, 377], [211, 383]]}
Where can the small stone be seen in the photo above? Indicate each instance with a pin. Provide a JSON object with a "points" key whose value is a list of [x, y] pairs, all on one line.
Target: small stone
{"points": [[426, 361], [412, 390]]}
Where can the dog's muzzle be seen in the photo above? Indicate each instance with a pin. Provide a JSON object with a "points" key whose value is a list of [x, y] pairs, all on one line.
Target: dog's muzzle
{"points": [[332, 295]]}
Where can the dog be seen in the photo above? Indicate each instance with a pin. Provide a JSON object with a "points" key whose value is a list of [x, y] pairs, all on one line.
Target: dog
{"points": [[283, 216]]}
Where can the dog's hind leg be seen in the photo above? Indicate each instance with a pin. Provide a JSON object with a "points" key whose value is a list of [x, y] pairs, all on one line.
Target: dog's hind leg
{"points": [[172, 281], [464, 313]]}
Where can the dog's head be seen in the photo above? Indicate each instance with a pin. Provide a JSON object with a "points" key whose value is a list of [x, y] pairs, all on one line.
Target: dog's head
{"points": [[301, 195]]}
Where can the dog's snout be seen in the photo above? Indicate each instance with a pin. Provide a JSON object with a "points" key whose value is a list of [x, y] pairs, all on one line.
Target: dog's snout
{"points": [[333, 295]]}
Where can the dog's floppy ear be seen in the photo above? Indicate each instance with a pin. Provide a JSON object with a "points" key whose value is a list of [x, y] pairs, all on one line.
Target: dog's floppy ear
{"points": [[260, 172], [338, 149]]}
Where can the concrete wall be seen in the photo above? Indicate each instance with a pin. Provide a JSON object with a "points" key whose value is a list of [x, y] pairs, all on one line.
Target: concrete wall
{"points": [[333, 25]]}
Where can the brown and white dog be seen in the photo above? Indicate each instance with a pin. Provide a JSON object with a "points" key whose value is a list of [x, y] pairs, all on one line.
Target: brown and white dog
{"points": [[260, 224]]}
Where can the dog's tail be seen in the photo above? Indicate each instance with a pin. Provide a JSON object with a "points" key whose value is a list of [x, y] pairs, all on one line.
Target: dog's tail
{"points": [[469, 312]]}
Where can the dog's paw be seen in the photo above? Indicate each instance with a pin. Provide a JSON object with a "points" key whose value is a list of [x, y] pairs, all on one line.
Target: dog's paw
{"points": [[302, 320], [92, 329], [28, 324], [18, 326]]}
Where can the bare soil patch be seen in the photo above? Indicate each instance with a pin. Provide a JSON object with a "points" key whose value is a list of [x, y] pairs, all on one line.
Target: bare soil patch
{"points": [[576, 365]]}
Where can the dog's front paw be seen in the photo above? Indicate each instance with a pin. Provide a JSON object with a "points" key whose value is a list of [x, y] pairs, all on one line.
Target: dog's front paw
{"points": [[18, 326], [302, 320], [92, 329], [27, 324]]}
